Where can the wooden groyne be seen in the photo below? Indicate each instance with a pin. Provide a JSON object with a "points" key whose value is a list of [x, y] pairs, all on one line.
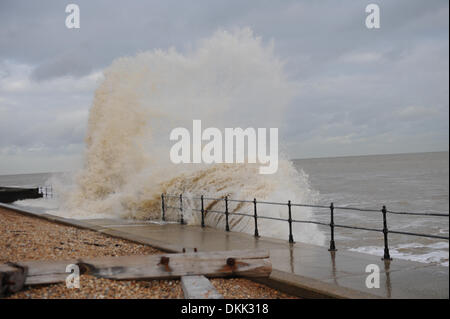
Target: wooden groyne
{"points": [[11, 194]]}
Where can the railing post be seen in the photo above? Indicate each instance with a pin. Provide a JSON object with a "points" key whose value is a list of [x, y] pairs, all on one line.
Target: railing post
{"points": [[291, 238], [227, 226], [163, 208], [256, 218], [203, 212], [181, 209], [332, 244], [385, 232]]}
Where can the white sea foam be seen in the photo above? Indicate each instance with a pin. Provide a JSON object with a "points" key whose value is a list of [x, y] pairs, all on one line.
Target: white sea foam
{"points": [[431, 253], [44, 203]]}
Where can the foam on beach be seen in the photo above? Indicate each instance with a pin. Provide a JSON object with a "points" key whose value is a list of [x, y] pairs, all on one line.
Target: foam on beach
{"points": [[435, 252]]}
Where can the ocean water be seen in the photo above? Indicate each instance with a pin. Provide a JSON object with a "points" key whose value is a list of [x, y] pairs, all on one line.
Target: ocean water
{"points": [[403, 182]]}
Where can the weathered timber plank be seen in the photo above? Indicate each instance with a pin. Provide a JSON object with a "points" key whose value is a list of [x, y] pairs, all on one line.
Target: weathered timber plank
{"points": [[251, 263], [246, 263], [199, 287], [46, 272]]}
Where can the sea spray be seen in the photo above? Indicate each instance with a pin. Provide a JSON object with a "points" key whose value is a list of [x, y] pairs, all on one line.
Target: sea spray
{"points": [[231, 80]]}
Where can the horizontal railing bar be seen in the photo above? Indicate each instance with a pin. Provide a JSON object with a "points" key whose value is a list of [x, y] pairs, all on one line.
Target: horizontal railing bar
{"points": [[358, 209], [418, 214], [418, 235], [213, 211], [356, 227], [240, 200], [310, 205], [273, 218], [171, 207], [208, 198], [240, 214], [223, 198], [271, 203], [310, 222], [262, 217]]}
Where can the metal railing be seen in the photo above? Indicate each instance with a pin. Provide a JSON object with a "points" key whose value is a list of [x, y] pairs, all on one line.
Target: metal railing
{"points": [[46, 191], [384, 212]]}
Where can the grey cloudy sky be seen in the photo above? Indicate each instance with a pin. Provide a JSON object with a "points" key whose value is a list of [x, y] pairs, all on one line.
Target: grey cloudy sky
{"points": [[362, 91]]}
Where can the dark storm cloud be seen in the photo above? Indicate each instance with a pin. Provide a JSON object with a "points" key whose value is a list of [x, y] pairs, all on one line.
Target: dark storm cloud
{"points": [[360, 90]]}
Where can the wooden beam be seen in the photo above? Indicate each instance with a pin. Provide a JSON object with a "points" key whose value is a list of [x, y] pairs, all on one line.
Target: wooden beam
{"points": [[248, 263], [46, 272], [199, 287], [210, 264]]}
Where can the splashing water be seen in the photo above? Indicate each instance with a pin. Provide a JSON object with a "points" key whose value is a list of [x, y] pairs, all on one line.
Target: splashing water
{"points": [[230, 80]]}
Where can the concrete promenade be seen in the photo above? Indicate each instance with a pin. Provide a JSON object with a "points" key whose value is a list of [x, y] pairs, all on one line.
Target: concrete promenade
{"points": [[302, 269]]}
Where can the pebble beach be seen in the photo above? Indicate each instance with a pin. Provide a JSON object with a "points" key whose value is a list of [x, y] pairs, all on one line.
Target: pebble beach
{"points": [[24, 238]]}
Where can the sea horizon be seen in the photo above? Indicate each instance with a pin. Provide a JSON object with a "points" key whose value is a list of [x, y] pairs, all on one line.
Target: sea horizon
{"points": [[291, 159]]}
